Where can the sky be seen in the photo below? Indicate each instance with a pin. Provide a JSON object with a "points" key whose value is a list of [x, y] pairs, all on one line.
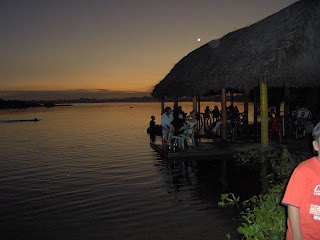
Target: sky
{"points": [[110, 45]]}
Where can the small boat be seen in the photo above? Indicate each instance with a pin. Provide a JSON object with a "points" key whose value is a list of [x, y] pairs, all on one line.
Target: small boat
{"points": [[22, 120]]}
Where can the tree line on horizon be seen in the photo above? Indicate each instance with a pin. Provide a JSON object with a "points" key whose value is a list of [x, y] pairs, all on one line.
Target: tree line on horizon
{"points": [[5, 104]]}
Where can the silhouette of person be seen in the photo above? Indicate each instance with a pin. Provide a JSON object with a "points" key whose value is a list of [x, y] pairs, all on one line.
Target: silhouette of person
{"points": [[152, 122], [215, 113]]}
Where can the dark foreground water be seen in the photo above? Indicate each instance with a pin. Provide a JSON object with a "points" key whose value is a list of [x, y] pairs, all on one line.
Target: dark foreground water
{"points": [[88, 172]]}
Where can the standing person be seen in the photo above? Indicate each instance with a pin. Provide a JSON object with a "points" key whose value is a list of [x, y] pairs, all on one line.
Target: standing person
{"points": [[302, 197], [182, 112], [275, 122], [152, 122], [207, 110], [304, 113], [166, 119], [215, 113], [192, 122], [236, 113]]}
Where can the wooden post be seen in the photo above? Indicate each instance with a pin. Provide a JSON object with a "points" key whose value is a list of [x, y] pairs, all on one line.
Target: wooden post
{"points": [[286, 109], [286, 101], [175, 103], [194, 103], [231, 97], [223, 114], [162, 106], [198, 104], [246, 111], [264, 114], [255, 114]]}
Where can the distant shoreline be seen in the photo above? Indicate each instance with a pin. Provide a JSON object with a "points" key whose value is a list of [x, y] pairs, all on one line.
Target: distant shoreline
{"points": [[13, 104]]}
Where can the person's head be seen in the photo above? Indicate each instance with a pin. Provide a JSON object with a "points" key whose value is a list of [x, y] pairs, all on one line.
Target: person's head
{"points": [[153, 118], [167, 110], [316, 138], [207, 107], [193, 113], [175, 115]]}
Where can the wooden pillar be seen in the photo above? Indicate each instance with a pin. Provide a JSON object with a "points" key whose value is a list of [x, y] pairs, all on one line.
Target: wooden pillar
{"points": [[246, 111], [223, 114], [198, 104], [231, 97], [286, 109], [264, 114], [255, 109], [286, 102], [194, 99], [175, 103], [162, 105]]}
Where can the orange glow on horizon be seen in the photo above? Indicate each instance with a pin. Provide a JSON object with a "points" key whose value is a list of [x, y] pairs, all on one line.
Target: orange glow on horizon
{"points": [[121, 48]]}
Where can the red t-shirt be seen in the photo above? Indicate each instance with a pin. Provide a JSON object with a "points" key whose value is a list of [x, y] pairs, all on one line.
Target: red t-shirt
{"points": [[303, 191]]}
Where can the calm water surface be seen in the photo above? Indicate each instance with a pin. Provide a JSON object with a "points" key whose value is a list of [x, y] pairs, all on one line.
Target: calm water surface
{"points": [[88, 172]]}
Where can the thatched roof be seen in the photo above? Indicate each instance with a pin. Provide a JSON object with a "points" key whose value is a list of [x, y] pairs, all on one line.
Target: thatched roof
{"points": [[183, 79], [281, 50]]}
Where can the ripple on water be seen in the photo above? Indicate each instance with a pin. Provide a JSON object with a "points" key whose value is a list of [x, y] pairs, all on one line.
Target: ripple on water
{"points": [[77, 176]]}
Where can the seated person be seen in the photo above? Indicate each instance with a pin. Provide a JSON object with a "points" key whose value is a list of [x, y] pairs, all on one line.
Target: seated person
{"points": [[230, 119], [191, 119], [175, 125]]}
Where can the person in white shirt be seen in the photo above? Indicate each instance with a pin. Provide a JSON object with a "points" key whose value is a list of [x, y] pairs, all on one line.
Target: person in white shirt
{"points": [[166, 119]]}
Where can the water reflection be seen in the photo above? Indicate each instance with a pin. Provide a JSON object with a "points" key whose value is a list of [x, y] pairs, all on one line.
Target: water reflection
{"points": [[208, 178]]}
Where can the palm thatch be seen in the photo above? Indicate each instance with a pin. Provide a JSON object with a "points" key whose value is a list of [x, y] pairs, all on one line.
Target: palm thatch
{"points": [[281, 50], [183, 79]]}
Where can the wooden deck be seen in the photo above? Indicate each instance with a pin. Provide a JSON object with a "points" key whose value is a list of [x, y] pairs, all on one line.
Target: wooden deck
{"points": [[208, 146], [204, 149]]}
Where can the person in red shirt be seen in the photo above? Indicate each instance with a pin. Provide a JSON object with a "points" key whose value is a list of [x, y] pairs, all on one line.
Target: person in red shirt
{"points": [[275, 122], [302, 197]]}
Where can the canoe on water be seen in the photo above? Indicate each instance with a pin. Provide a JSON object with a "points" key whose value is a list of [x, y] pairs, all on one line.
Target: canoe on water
{"points": [[22, 120]]}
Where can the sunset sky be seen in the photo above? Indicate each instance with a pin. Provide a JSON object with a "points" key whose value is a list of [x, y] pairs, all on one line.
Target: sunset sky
{"points": [[111, 45]]}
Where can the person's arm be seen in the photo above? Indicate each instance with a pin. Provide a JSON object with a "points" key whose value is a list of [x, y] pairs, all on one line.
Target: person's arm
{"points": [[294, 218], [170, 131]]}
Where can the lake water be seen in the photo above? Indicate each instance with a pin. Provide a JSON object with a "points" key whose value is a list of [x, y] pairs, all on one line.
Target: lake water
{"points": [[87, 172]]}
